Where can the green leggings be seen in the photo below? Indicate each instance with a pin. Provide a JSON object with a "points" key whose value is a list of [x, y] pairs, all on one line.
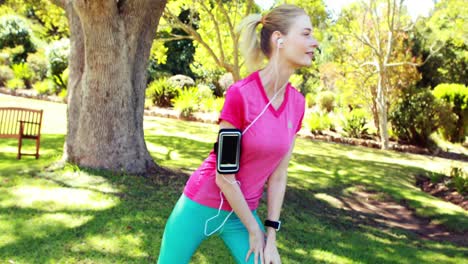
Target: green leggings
{"points": [[185, 230]]}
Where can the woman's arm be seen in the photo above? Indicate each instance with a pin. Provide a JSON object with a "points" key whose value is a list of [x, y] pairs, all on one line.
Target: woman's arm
{"points": [[275, 195], [232, 192]]}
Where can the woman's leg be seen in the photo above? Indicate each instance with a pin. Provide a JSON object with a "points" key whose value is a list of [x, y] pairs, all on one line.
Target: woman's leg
{"points": [[184, 231], [236, 238]]}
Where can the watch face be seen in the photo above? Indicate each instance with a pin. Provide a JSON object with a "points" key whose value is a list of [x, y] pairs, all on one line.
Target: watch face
{"points": [[275, 224]]}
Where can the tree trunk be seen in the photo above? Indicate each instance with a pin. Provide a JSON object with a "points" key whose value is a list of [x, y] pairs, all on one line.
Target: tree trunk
{"points": [[110, 46], [382, 108]]}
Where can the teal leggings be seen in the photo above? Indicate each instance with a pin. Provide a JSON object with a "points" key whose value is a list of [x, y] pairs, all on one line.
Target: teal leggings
{"points": [[185, 230]]}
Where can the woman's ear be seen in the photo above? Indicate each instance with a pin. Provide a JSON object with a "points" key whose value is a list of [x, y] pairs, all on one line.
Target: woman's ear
{"points": [[277, 39]]}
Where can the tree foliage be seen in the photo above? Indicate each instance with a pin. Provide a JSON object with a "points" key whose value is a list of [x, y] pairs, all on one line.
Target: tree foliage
{"points": [[446, 32]]}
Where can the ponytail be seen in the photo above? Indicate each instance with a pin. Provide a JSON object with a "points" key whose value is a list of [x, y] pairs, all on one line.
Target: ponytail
{"points": [[255, 47], [250, 43]]}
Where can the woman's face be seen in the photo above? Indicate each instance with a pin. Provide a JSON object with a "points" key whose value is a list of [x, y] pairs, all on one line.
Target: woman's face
{"points": [[297, 49]]}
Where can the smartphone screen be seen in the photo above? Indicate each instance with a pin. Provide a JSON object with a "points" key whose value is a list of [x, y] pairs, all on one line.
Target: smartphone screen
{"points": [[229, 150]]}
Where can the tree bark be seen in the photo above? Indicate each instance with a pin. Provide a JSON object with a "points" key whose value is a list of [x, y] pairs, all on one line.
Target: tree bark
{"points": [[110, 45], [382, 107]]}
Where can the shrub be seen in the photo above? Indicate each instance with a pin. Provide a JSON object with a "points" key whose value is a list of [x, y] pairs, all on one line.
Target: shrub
{"points": [[14, 84], [57, 55], [44, 87], [5, 74], [8, 56], [310, 100], [186, 102], [61, 80], [459, 180], [326, 101], [457, 96], [23, 72], [161, 92], [204, 91], [38, 64], [63, 94], [212, 104], [355, 123], [181, 81], [317, 122], [15, 31], [416, 116]]}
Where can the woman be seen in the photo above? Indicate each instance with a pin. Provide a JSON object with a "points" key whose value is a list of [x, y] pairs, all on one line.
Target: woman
{"points": [[269, 111]]}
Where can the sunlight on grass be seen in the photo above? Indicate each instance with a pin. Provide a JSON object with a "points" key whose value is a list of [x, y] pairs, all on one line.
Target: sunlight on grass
{"points": [[83, 180], [39, 226], [328, 257], [127, 245], [56, 198], [332, 201]]}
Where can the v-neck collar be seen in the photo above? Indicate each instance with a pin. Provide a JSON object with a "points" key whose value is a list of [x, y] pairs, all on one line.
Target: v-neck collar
{"points": [[280, 109]]}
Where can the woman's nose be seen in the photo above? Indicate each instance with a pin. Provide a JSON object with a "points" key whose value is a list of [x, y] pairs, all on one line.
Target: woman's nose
{"points": [[315, 43]]}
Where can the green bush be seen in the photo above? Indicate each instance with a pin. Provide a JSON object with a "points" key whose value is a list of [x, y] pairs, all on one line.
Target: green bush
{"points": [[317, 122], [204, 91], [23, 72], [38, 64], [181, 81], [5, 74], [57, 55], [355, 124], [457, 96], [15, 31], [8, 56], [61, 80], [459, 180], [186, 102], [63, 94], [415, 116], [45, 87], [326, 101], [211, 104], [161, 92], [14, 84], [310, 100]]}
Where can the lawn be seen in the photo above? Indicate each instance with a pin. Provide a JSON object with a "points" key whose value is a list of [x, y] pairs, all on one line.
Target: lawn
{"points": [[76, 215]]}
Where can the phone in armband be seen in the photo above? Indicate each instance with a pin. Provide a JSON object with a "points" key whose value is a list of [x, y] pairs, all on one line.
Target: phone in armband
{"points": [[227, 149]]}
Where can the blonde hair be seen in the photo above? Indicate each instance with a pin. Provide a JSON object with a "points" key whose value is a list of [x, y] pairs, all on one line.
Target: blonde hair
{"points": [[255, 48]]}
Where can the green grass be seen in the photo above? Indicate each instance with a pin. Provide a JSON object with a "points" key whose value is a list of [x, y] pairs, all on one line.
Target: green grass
{"points": [[75, 215]]}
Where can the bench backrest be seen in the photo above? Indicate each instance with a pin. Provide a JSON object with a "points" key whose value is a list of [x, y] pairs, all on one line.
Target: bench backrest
{"points": [[10, 118]]}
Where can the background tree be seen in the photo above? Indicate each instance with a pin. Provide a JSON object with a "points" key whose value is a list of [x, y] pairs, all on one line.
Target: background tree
{"points": [[447, 27], [376, 30], [110, 46]]}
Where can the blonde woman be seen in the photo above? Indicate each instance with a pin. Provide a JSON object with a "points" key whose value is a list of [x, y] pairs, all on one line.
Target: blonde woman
{"points": [[269, 112]]}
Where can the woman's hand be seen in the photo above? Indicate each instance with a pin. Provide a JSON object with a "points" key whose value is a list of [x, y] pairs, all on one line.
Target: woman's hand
{"points": [[270, 253], [256, 243]]}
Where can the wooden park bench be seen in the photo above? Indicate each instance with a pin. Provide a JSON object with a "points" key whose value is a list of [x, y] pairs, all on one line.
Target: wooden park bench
{"points": [[21, 123]]}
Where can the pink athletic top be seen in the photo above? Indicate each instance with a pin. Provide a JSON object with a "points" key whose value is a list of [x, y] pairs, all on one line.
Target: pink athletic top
{"points": [[263, 146]]}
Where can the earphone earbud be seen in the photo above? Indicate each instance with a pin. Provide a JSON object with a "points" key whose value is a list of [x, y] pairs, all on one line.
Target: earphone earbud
{"points": [[279, 41]]}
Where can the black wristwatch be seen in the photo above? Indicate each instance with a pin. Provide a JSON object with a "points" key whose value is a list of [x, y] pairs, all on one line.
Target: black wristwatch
{"points": [[275, 224]]}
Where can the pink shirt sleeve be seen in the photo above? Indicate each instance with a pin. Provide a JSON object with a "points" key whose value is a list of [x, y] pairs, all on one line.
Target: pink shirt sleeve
{"points": [[233, 109]]}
